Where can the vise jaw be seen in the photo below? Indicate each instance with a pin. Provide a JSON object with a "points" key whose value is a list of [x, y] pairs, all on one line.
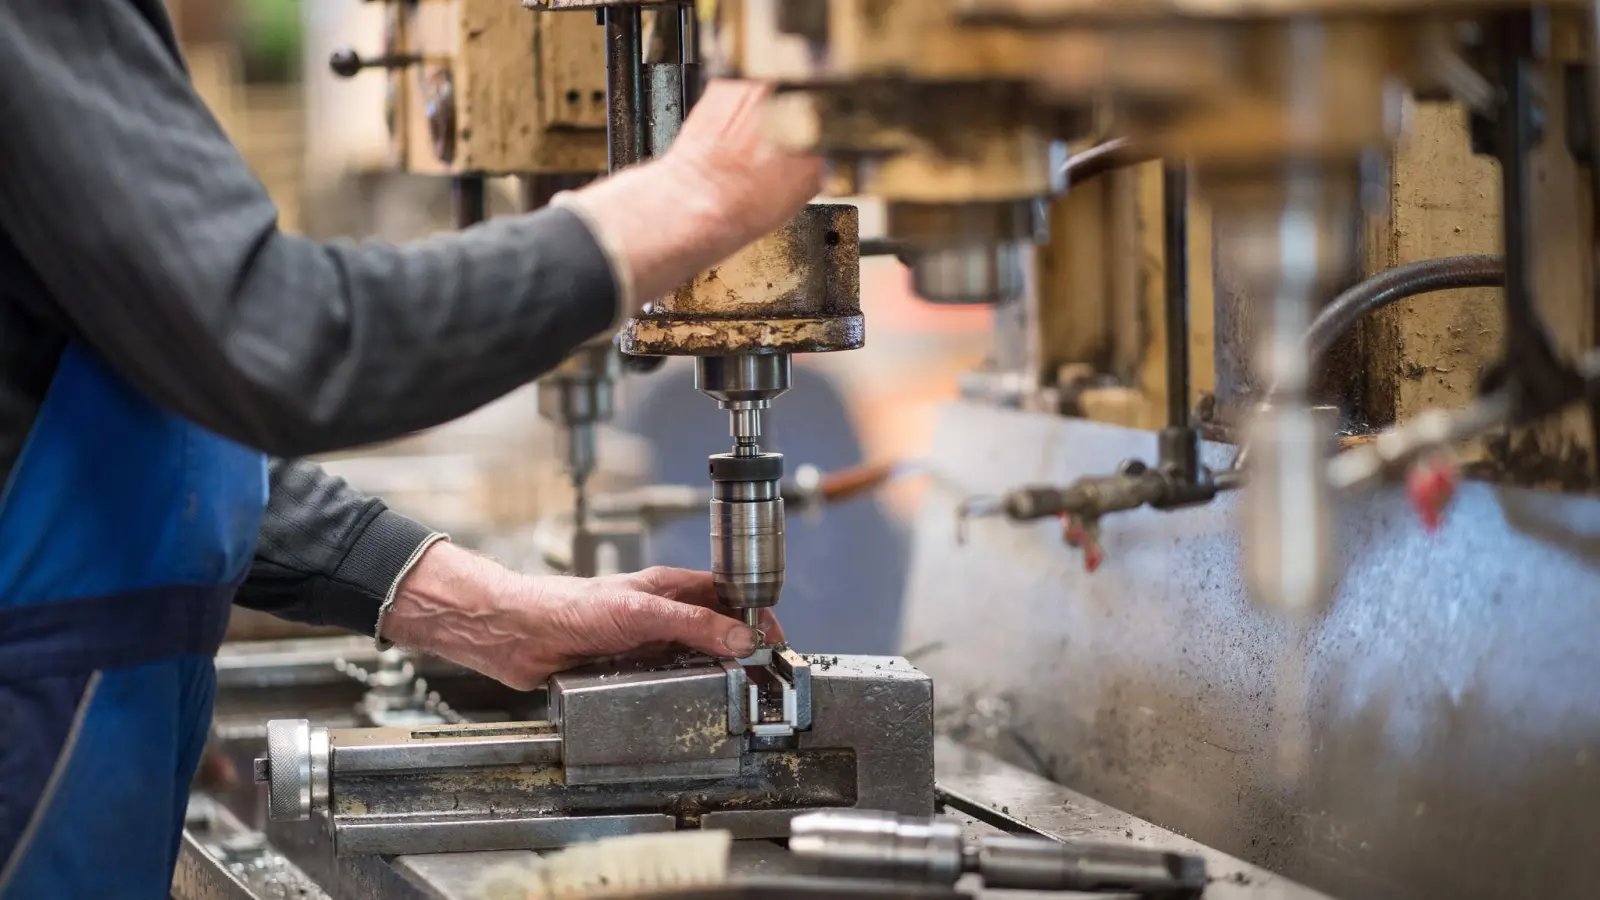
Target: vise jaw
{"points": [[682, 721], [627, 748]]}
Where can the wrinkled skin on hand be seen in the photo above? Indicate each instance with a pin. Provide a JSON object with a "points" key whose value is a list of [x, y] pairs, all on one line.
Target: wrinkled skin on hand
{"points": [[519, 629]]}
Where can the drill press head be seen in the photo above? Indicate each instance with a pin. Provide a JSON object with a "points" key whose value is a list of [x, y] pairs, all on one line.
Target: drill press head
{"points": [[796, 290]]}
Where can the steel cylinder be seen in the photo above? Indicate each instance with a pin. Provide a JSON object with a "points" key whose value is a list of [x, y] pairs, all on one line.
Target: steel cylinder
{"points": [[1018, 863], [867, 844], [747, 543]]}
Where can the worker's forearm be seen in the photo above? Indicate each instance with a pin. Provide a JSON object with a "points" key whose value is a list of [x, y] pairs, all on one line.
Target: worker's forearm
{"points": [[660, 223], [146, 228]]}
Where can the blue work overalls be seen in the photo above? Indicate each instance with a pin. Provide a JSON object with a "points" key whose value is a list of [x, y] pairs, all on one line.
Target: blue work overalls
{"points": [[124, 530]]}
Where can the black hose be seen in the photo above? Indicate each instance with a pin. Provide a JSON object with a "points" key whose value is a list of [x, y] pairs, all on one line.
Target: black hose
{"points": [[1400, 283], [1392, 286]]}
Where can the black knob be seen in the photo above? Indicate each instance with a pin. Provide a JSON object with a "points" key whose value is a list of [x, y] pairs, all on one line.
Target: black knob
{"points": [[345, 62]]}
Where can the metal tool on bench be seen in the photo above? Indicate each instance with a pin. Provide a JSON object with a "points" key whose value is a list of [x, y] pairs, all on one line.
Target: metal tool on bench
{"points": [[881, 845], [630, 748]]}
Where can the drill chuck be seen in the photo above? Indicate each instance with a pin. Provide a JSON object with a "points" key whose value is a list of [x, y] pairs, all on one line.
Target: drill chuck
{"points": [[747, 545]]}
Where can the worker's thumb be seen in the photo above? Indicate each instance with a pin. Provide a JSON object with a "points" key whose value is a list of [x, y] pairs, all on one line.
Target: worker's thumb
{"points": [[654, 619]]}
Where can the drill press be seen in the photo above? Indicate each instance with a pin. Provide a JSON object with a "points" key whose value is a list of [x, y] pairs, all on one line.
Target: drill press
{"points": [[794, 291]]}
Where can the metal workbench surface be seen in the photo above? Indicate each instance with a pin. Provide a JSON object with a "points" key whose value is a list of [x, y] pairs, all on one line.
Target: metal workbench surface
{"points": [[1006, 792], [1048, 808]]}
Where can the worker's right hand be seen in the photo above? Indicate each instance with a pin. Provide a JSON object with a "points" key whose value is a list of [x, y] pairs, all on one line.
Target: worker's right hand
{"points": [[519, 629], [722, 185], [724, 143]]}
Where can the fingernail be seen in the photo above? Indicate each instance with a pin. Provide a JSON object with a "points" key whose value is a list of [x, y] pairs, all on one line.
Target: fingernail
{"points": [[741, 640]]}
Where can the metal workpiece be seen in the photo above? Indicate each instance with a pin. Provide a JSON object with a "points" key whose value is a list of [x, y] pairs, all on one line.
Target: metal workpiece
{"points": [[769, 695], [868, 844], [1042, 865], [796, 290]]}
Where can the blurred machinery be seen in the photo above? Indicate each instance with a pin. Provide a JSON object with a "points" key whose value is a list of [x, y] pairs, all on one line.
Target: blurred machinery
{"points": [[1274, 659]]}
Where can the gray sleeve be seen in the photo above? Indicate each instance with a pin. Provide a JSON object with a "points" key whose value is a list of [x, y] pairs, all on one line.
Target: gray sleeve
{"points": [[327, 553], [145, 225]]}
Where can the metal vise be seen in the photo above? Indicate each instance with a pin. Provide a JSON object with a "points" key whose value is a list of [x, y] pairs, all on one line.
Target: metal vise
{"points": [[626, 749]]}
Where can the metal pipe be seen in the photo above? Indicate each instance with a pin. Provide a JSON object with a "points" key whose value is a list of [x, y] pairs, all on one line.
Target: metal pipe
{"points": [[1103, 157], [689, 54], [1515, 138], [625, 100], [468, 199], [1594, 186], [1175, 242]]}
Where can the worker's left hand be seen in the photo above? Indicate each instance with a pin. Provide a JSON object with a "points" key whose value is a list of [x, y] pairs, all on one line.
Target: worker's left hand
{"points": [[519, 629]]}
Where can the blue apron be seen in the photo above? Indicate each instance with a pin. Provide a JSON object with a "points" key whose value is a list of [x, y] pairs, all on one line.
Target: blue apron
{"points": [[124, 530]]}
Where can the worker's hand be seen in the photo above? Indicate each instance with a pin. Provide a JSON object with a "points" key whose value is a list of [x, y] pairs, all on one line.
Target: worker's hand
{"points": [[519, 629], [721, 186], [724, 143]]}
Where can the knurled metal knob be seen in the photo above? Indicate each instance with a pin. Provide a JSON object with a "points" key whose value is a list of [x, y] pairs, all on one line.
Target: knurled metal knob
{"points": [[296, 769], [288, 770]]}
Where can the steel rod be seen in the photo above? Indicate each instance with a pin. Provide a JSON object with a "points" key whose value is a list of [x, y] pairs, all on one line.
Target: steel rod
{"points": [[625, 99], [1175, 241], [468, 200]]}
